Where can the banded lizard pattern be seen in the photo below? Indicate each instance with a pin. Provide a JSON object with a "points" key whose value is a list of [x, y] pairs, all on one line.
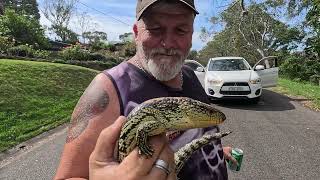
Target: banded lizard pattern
{"points": [[160, 115]]}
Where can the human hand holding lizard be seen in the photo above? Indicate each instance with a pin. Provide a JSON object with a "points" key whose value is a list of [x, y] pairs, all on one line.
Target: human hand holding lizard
{"points": [[102, 163]]}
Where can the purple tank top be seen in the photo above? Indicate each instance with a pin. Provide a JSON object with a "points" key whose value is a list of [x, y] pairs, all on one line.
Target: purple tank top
{"points": [[134, 86]]}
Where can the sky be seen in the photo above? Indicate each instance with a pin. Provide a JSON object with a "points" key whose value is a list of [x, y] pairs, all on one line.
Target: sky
{"points": [[116, 17]]}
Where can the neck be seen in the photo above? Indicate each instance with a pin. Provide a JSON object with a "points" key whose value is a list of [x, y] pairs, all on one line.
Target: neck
{"points": [[176, 82]]}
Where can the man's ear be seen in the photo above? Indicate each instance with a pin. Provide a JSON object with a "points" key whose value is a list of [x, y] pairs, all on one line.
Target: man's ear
{"points": [[135, 30]]}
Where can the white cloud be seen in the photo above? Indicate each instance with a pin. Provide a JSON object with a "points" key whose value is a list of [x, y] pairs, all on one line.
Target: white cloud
{"points": [[197, 43]]}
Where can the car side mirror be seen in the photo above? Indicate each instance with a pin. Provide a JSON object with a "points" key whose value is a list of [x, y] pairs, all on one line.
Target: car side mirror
{"points": [[259, 68], [200, 69]]}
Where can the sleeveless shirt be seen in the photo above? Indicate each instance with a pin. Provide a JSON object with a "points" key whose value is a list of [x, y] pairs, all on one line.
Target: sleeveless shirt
{"points": [[134, 86]]}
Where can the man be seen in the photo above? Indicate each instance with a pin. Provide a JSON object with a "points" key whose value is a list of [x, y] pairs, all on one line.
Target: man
{"points": [[163, 35]]}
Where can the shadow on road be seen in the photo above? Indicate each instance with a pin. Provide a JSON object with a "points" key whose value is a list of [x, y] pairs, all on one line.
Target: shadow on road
{"points": [[270, 101]]}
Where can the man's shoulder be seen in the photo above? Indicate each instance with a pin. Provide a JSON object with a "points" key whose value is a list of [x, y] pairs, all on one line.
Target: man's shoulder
{"points": [[188, 71]]}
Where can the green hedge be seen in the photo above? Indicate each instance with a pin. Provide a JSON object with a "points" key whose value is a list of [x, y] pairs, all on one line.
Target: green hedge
{"points": [[301, 69]]}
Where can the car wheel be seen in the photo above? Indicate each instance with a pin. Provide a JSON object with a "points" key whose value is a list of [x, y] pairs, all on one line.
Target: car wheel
{"points": [[255, 100]]}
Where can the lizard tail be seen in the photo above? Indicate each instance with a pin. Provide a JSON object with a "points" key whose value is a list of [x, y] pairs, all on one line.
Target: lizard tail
{"points": [[183, 154]]}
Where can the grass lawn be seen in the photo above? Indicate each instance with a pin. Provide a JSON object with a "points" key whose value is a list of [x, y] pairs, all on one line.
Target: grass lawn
{"points": [[307, 90], [36, 97]]}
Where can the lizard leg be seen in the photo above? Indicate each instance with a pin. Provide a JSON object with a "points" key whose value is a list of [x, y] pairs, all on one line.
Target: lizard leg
{"points": [[149, 128], [183, 154]]}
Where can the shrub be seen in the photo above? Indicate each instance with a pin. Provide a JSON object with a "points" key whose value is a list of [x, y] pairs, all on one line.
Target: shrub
{"points": [[5, 43], [97, 57], [98, 45], [21, 50], [75, 52], [43, 54], [300, 69], [129, 49], [97, 65]]}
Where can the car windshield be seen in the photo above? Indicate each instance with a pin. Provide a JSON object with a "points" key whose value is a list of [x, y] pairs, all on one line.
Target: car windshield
{"points": [[228, 65]]}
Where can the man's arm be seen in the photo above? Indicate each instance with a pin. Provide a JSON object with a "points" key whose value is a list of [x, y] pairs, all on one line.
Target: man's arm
{"points": [[97, 108]]}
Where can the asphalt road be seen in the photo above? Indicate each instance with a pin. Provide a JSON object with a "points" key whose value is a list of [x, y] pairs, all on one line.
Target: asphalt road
{"points": [[279, 137]]}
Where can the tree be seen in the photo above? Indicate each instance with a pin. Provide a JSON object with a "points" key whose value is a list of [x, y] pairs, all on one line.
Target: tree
{"points": [[313, 20], [310, 24], [59, 12], [256, 34], [67, 35], [95, 36], [126, 37], [22, 29], [193, 54], [24, 7], [84, 24]]}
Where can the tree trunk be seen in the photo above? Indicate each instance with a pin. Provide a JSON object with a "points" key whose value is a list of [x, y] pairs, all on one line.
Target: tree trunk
{"points": [[261, 52]]}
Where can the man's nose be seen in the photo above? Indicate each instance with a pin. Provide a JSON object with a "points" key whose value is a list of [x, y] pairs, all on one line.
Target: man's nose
{"points": [[169, 41]]}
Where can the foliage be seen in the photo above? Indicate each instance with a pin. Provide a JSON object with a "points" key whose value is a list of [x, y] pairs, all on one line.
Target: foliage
{"points": [[126, 37], [22, 29], [27, 8], [5, 43], [313, 20], [59, 12], [66, 35], [97, 57], [96, 65], [95, 36], [75, 52], [21, 50], [193, 54], [98, 45], [128, 49], [42, 54], [253, 35], [41, 96], [300, 69]]}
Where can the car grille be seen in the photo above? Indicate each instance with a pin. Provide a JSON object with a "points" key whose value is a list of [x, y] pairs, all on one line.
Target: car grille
{"points": [[235, 92], [236, 84]]}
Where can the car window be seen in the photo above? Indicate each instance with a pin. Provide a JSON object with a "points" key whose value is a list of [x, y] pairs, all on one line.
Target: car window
{"points": [[268, 63], [228, 65]]}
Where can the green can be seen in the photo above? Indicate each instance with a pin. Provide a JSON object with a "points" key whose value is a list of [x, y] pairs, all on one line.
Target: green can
{"points": [[238, 155]]}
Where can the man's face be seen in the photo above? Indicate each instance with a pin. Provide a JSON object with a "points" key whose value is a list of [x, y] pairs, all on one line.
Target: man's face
{"points": [[163, 39]]}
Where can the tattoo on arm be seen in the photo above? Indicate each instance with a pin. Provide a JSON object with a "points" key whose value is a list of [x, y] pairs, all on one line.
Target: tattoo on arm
{"points": [[92, 103]]}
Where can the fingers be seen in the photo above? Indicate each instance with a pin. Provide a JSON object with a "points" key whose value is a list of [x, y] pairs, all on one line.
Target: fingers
{"points": [[227, 154], [166, 155], [106, 142], [142, 164], [172, 176]]}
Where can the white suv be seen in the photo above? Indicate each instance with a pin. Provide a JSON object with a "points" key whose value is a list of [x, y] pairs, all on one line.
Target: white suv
{"points": [[231, 77]]}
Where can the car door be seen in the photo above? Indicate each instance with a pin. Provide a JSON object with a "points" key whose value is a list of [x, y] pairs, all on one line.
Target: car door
{"points": [[198, 69], [269, 73]]}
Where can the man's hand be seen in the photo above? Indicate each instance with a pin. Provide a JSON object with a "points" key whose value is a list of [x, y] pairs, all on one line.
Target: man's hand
{"points": [[102, 164], [227, 154]]}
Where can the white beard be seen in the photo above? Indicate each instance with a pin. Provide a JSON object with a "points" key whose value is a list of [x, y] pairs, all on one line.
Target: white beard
{"points": [[163, 69]]}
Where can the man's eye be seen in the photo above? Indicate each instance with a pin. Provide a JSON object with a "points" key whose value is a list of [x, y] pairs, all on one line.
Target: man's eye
{"points": [[182, 31], [154, 29]]}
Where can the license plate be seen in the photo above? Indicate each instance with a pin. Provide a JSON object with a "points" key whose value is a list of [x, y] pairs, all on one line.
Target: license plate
{"points": [[235, 89]]}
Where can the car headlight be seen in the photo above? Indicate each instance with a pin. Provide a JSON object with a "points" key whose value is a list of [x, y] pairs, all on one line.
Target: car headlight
{"points": [[214, 81], [255, 81]]}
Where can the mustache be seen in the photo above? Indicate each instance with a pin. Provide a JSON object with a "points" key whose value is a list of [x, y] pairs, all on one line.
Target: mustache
{"points": [[168, 52]]}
